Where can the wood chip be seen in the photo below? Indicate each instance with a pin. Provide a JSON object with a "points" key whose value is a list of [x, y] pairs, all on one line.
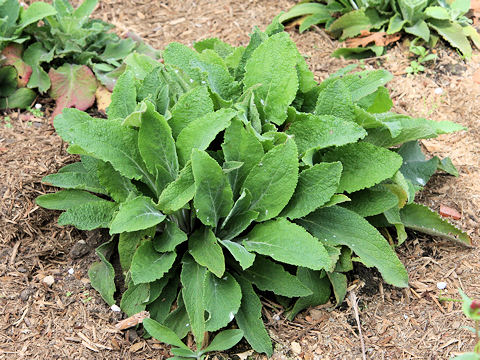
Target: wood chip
{"points": [[132, 321]]}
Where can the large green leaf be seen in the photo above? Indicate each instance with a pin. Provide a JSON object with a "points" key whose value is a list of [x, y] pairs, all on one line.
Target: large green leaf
{"points": [[178, 193], [288, 243], [156, 145], [190, 106], [225, 340], [338, 226], [213, 195], [117, 186], [149, 265], [124, 97], [193, 279], [128, 243], [222, 300], [249, 319], [136, 214], [453, 33], [163, 333], [206, 251], [316, 185], [35, 12], [273, 180], [66, 199], [106, 140], [102, 274], [90, 215], [421, 218], [241, 145], [272, 65], [199, 133], [135, 298], [335, 99], [364, 165], [240, 254], [271, 276], [8, 81], [170, 238], [372, 201], [415, 166], [314, 132]]}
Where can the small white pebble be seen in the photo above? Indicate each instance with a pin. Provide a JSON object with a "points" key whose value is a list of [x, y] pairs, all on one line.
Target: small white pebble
{"points": [[71, 271], [441, 285], [276, 317], [115, 308], [439, 91], [49, 280], [38, 106], [405, 316]]}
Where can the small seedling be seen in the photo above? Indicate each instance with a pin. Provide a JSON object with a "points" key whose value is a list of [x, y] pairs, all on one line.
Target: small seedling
{"points": [[36, 111], [8, 123], [68, 294], [423, 56]]}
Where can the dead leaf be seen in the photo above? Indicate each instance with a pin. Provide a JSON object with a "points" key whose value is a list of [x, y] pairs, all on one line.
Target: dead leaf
{"points": [[136, 347], [296, 22], [72, 86], [104, 98], [446, 211], [365, 38], [476, 76], [132, 321], [244, 355]]}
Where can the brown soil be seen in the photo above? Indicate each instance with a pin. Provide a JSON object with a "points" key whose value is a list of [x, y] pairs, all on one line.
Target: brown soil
{"points": [[68, 320]]}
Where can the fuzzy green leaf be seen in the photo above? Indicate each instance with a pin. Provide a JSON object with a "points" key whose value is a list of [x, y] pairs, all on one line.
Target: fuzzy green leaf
{"points": [[271, 276], [149, 265], [163, 333], [178, 193], [90, 215], [316, 186], [205, 250], [364, 165], [199, 133], [170, 238], [421, 218], [287, 243], [102, 274], [124, 97], [372, 201], [136, 214], [239, 218], [222, 300], [273, 180], [338, 226], [213, 195], [272, 65], [225, 340], [240, 254], [193, 279], [135, 298], [249, 319]]}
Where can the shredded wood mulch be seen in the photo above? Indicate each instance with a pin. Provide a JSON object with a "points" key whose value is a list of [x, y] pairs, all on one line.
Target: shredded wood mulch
{"points": [[48, 309]]}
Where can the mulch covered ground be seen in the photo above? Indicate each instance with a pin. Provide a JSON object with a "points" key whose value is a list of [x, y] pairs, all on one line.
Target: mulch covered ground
{"points": [[68, 320]]}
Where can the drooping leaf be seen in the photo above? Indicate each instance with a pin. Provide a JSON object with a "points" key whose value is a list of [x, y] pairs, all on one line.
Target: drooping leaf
{"points": [[102, 274], [35, 12], [22, 98], [452, 32], [13, 57], [124, 97], [249, 319], [206, 251], [72, 86], [339, 285], [213, 195], [421, 218], [135, 298], [239, 252], [287, 243], [222, 300], [338, 226], [117, 186], [320, 286], [273, 180], [149, 265], [136, 214], [272, 65], [163, 333], [8, 81], [90, 215], [271, 276], [225, 340]]}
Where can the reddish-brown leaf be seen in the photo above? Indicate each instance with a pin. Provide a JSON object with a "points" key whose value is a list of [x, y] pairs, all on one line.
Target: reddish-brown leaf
{"points": [[72, 86], [446, 211], [365, 38], [13, 53]]}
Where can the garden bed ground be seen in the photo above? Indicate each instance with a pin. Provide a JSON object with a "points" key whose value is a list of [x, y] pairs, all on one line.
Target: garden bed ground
{"points": [[70, 321]]}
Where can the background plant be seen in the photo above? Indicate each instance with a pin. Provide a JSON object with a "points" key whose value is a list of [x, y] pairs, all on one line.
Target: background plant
{"points": [[59, 53], [426, 19], [227, 174], [423, 56]]}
